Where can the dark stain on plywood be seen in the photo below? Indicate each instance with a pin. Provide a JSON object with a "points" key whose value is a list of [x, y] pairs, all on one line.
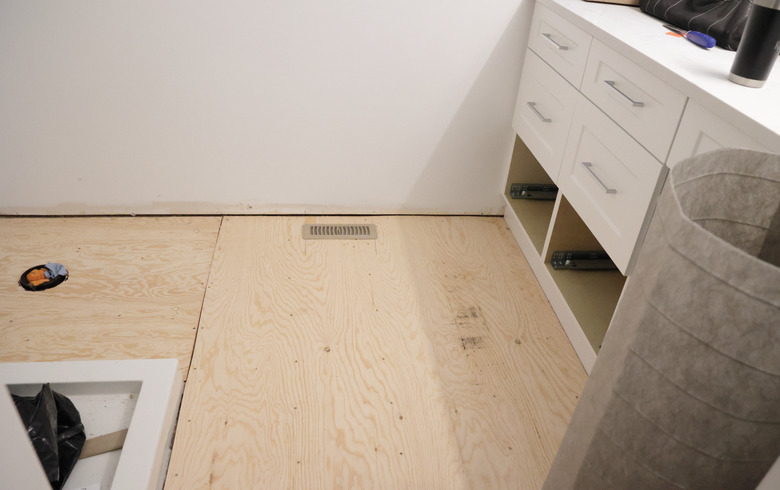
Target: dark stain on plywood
{"points": [[471, 342]]}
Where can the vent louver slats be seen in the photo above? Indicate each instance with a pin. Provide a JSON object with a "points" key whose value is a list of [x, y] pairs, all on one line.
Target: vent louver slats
{"points": [[340, 232]]}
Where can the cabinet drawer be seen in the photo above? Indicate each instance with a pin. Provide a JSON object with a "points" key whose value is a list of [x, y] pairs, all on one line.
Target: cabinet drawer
{"points": [[611, 181], [702, 131], [545, 106], [560, 43], [640, 103]]}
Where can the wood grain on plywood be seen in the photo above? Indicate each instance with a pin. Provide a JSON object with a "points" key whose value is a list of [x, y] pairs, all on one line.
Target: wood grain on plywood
{"points": [[135, 289], [509, 372], [426, 359]]}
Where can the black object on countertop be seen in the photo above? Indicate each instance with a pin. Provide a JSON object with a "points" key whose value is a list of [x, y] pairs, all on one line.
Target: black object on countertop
{"points": [[760, 45], [723, 20]]}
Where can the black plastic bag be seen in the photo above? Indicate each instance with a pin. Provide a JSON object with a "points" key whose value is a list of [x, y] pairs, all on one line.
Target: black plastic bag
{"points": [[54, 425]]}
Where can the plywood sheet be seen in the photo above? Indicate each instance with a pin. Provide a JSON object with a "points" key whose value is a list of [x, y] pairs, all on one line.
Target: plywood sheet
{"points": [[510, 375], [135, 290], [429, 358]]}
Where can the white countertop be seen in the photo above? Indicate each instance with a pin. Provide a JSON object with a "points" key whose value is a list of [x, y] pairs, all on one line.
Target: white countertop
{"points": [[699, 73]]}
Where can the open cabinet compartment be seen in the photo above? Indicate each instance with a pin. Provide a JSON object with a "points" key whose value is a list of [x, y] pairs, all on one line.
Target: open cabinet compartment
{"points": [[534, 215], [583, 300], [592, 295]]}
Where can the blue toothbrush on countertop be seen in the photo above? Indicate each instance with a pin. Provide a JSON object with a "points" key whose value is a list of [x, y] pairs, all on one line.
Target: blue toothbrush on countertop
{"points": [[696, 37]]}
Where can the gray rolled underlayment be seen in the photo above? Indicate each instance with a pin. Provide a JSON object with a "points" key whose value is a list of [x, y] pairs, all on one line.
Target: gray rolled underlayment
{"points": [[686, 389]]}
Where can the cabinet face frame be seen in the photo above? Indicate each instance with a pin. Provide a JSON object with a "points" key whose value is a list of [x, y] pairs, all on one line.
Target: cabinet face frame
{"points": [[540, 227], [590, 295], [571, 326]]}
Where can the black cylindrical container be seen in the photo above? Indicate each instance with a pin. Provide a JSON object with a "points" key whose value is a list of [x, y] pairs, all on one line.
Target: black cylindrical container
{"points": [[759, 46]]}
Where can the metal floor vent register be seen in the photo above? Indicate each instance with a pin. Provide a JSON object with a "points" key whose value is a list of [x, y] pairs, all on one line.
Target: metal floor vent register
{"points": [[339, 232]]}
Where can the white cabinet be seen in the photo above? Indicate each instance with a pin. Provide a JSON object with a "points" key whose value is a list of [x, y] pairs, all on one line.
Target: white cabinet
{"points": [[594, 145], [603, 118], [702, 131]]}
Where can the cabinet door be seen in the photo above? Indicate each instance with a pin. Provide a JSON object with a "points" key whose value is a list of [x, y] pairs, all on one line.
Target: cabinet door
{"points": [[560, 43], [645, 106], [611, 181], [545, 105], [702, 131]]}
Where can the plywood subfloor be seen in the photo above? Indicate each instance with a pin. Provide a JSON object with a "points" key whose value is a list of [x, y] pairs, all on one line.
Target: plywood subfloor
{"points": [[135, 290], [427, 359]]}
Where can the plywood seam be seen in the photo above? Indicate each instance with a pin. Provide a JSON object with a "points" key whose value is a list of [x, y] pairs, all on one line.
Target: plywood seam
{"points": [[203, 299], [135, 290]]}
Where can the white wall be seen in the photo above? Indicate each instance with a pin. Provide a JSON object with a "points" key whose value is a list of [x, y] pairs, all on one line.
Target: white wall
{"points": [[257, 106]]}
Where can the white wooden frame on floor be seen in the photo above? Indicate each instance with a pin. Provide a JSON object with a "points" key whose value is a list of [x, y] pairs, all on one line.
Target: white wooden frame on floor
{"points": [[144, 456]]}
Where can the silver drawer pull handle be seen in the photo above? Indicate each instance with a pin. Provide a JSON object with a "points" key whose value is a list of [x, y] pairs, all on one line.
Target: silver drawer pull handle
{"points": [[588, 166], [557, 45], [634, 103], [532, 105]]}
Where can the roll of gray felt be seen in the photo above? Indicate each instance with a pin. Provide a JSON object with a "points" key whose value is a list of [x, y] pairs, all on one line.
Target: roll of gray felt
{"points": [[686, 388]]}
